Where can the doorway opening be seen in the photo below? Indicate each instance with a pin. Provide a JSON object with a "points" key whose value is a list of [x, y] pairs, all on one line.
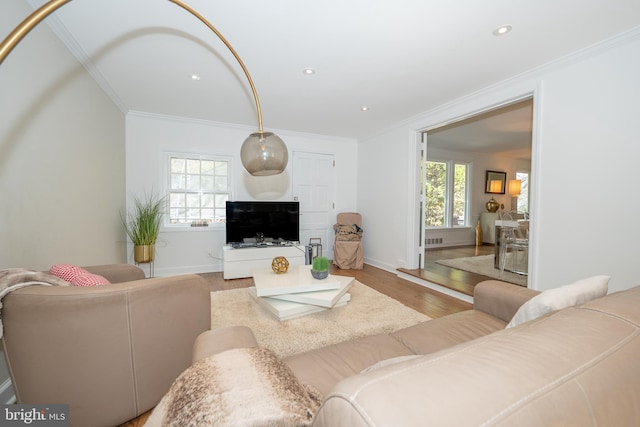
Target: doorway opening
{"points": [[455, 160]]}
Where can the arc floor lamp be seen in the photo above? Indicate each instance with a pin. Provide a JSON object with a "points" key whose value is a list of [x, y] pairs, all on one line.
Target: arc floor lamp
{"points": [[262, 153]]}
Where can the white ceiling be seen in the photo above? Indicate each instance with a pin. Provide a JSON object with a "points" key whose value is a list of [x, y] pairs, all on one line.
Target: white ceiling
{"points": [[505, 131], [400, 58]]}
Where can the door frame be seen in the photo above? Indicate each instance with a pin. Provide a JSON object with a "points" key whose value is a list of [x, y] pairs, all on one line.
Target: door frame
{"points": [[452, 114], [327, 244]]}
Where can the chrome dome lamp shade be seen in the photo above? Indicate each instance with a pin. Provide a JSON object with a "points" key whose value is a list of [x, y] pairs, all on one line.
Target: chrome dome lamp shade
{"points": [[264, 153]]}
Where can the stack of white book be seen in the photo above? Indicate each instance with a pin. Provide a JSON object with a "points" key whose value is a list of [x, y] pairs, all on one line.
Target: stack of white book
{"points": [[296, 293]]}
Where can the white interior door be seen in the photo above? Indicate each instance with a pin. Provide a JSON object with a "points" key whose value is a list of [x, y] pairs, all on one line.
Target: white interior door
{"points": [[314, 188]]}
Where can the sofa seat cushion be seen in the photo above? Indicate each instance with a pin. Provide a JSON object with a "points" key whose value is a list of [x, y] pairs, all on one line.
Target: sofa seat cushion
{"points": [[325, 367], [447, 331]]}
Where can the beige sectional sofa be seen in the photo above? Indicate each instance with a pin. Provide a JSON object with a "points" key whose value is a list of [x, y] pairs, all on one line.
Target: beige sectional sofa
{"points": [[573, 367], [110, 351]]}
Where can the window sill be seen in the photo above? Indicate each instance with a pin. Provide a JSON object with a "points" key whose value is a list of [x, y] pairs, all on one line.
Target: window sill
{"points": [[189, 229], [449, 229]]}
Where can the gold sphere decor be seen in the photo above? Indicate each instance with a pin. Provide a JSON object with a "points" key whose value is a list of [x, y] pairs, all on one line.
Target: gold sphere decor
{"points": [[280, 265], [492, 205]]}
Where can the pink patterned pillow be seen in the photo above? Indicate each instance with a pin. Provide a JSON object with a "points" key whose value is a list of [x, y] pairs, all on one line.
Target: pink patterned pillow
{"points": [[89, 279], [67, 272], [77, 276]]}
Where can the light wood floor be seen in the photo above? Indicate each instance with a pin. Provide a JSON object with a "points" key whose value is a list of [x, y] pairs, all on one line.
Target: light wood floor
{"points": [[420, 298], [458, 280], [433, 304]]}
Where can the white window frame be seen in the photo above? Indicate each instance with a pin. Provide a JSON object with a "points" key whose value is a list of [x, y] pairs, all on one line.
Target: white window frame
{"points": [[168, 187], [448, 200]]}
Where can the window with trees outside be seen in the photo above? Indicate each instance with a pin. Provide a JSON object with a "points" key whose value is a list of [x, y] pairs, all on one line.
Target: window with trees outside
{"points": [[199, 187], [446, 194]]}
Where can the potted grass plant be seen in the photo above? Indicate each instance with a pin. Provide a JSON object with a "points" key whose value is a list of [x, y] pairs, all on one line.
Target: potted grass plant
{"points": [[142, 225], [320, 267]]}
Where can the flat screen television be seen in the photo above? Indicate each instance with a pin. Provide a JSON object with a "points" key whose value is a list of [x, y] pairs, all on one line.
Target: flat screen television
{"points": [[251, 222]]}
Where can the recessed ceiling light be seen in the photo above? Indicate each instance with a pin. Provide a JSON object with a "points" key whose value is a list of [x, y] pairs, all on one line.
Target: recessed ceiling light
{"points": [[309, 71], [195, 77], [502, 30], [364, 108]]}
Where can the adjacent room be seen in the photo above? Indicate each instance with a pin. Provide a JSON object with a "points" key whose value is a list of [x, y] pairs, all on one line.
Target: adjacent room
{"points": [[461, 209]]}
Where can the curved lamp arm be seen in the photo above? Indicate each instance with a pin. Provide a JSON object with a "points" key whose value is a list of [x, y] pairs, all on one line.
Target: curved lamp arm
{"points": [[48, 8], [263, 153], [27, 25], [233, 51]]}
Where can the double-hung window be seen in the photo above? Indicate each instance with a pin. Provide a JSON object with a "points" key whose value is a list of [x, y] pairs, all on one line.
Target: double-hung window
{"points": [[199, 187], [446, 194]]}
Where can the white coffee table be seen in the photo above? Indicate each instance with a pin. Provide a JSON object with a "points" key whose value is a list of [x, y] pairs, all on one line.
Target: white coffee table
{"points": [[296, 293]]}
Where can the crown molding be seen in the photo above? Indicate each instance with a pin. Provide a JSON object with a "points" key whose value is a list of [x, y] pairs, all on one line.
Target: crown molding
{"points": [[620, 39], [58, 28]]}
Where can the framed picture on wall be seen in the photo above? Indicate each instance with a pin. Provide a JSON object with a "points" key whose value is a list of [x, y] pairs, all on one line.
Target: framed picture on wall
{"points": [[495, 182]]}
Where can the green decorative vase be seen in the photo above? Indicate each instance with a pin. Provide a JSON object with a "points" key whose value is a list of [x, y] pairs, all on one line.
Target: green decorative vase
{"points": [[320, 274]]}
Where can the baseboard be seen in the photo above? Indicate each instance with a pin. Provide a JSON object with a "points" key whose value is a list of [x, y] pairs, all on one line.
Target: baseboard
{"points": [[380, 265], [421, 282], [191, 269], [436, 287]]}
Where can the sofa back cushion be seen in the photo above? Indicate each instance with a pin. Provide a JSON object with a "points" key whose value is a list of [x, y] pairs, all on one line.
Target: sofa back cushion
{"points": [[110, 352], [574, 367]]}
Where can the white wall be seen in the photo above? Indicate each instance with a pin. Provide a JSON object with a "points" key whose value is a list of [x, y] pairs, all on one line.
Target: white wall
{"points": [[61, 156], [590, 136], [586, 134], [61, 160], [149, 137], [383, 190], [388, 196]]}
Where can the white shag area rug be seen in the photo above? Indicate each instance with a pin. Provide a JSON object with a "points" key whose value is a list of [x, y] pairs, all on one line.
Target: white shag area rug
{"points": [[484, 265], [369, 312]]}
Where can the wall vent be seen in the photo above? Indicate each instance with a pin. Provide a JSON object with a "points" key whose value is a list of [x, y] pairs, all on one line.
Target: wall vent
{"points": [[434, 241]]}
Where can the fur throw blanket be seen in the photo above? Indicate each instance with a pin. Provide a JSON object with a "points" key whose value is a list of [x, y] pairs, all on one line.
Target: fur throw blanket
{"points": [[241, 387], [347, 232], [16, 278]]}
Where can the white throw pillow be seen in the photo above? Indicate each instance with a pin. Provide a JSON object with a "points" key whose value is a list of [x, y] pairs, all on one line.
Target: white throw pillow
{"points": [[565, 296]]}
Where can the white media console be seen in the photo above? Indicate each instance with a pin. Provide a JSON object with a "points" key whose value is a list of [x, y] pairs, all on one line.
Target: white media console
{"points": [[241, 262]]}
